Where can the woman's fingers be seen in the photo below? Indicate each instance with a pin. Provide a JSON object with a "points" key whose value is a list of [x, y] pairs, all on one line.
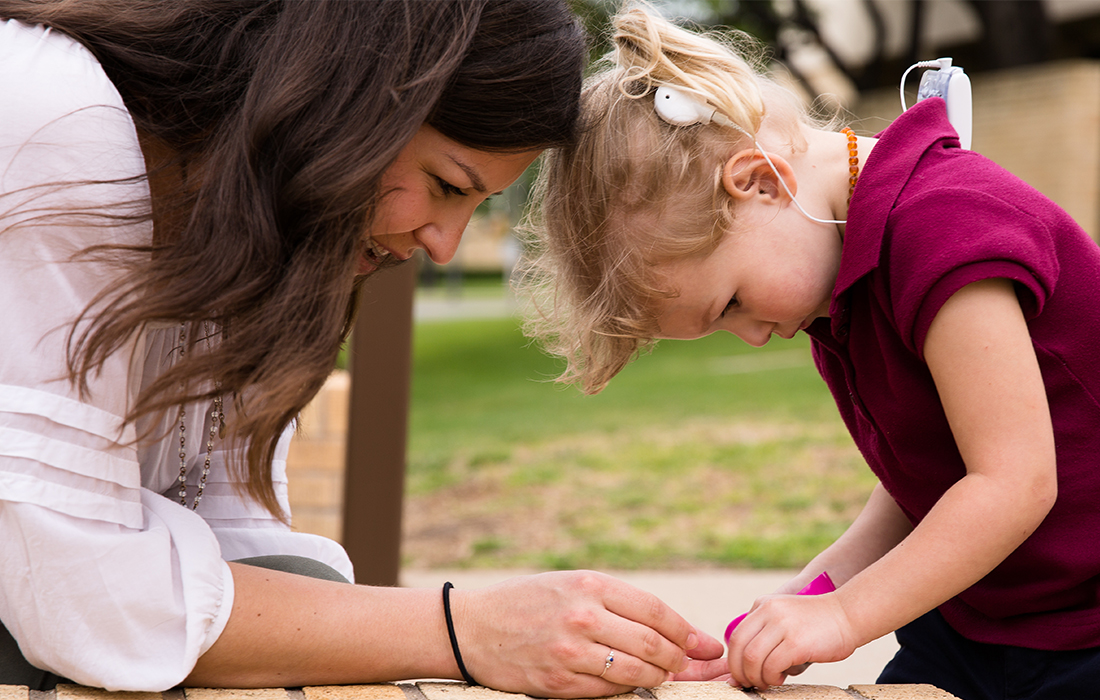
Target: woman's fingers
{"points": [[646, 609], [704, 670], [641, 642], [628, 620], [626, 671], [706, 648]]}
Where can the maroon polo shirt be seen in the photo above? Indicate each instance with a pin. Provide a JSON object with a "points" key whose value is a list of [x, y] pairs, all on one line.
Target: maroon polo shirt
{"points": [[927, 219]]}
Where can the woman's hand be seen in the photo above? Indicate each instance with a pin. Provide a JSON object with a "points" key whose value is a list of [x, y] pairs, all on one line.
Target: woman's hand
{"points": [[714, 669], [552, 635], [785, 633]]}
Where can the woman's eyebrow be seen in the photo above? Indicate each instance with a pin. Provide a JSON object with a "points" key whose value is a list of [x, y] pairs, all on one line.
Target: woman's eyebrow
{"points": [[475, 178]]}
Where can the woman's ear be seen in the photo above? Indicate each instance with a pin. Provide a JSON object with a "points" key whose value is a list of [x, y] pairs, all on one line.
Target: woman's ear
{"points": [[747, 174]]}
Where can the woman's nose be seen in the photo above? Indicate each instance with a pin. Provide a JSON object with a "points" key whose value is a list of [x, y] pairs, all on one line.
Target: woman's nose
{"points": [[439, 244], [440, 238]]}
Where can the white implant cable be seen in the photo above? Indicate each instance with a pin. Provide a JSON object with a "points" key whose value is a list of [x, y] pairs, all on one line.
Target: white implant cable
{"points": [[722, 119], [681, 109], [938, 63]]}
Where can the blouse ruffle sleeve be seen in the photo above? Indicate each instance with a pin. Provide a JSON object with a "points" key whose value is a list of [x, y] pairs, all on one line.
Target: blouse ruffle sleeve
{"points": [[103, 579]]}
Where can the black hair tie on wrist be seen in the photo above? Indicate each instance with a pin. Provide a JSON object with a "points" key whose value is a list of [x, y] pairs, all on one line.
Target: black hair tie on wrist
{"points": [[451, 633]]}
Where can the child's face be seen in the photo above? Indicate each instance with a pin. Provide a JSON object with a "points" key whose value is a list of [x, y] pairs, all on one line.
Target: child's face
{"points": [[776, 275]]}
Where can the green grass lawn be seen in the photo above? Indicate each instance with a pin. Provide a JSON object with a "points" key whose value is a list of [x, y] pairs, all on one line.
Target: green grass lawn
{"points": [[705, 452]]}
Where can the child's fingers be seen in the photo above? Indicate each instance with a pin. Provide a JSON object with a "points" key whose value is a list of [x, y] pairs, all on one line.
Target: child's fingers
{"points": [[783, 657], [770, 643], [749, 647], [798, 670], [768, 657], [761, 658], [784, 634]]}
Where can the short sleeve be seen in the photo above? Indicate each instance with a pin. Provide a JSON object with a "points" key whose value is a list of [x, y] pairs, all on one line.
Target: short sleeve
{"points": [[946, 239]]}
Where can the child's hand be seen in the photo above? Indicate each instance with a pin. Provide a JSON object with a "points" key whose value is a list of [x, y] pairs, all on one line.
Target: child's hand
{"points": [[783, 632]]}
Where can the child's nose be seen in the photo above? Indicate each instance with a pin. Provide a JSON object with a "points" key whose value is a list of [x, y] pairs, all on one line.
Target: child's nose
{"points": [[755, 333]]}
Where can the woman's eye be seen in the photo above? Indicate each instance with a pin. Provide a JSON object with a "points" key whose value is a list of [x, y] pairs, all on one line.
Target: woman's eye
{"points": [[733, 304], [449, 189]]}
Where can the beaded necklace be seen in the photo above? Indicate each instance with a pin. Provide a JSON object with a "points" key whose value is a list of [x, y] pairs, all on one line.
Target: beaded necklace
{"points": [[853, 161]]}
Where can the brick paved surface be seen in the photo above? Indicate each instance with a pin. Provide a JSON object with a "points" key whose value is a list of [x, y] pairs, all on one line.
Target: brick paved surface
{"points": [[434, 690]]}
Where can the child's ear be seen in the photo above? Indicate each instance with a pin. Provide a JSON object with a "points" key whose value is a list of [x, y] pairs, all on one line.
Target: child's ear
{"points": [[747, 175]]}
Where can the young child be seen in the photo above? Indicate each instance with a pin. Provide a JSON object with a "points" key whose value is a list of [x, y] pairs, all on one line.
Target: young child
{"points": [[953, 314]]}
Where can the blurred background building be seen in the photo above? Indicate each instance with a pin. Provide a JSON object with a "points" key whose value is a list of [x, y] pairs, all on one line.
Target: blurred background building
{"points": [[1035, 67], [846, 47]]}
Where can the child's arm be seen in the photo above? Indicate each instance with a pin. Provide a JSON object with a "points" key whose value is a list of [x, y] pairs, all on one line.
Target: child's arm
{"points": [[980, 354], [879, 527]]}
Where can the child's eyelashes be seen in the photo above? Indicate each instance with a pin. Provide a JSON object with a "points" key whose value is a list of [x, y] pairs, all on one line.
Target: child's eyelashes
{"points": [[733, 304]]}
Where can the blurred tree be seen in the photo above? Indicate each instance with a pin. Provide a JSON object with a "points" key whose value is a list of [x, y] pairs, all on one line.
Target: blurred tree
{"points": [[1012, 33]]}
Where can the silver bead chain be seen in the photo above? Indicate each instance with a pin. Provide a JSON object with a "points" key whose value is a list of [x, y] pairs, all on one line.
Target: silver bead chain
{"points": [[217, 429]]}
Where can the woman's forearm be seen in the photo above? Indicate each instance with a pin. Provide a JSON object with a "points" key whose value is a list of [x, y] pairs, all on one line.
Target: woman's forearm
{"points": [[548, 635], [288, 630]]}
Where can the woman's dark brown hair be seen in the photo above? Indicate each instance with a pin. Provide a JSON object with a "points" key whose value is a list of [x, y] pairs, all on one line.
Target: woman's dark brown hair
{"points": [[285, 114]]}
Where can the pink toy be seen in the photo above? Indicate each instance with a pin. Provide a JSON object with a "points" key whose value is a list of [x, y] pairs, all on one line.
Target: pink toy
{"points": [[821, 584]]}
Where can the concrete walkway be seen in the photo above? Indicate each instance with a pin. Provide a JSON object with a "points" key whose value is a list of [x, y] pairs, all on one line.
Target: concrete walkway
{"points": [[707, 599], [438, 306]]}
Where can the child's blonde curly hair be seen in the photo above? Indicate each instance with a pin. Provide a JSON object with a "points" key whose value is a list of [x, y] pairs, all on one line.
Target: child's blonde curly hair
{"points": [[635, 192]]}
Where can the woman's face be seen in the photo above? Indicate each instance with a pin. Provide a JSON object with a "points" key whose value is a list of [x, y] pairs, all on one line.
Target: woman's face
{"points": [[429, 194]]}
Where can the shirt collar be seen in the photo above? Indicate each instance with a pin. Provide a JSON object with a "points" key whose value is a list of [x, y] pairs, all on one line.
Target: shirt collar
{"points": [[896, 155]]}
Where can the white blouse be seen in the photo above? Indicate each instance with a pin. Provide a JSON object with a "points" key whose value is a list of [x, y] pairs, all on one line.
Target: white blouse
{"points": [[104, 578]]}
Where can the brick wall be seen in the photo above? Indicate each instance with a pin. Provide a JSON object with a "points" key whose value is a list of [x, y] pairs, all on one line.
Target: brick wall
{"points": [[315, 465], [1041, 123], [428, 690]]}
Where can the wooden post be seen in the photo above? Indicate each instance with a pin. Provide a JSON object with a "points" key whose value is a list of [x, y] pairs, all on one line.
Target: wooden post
{"points": [[374, 477]]}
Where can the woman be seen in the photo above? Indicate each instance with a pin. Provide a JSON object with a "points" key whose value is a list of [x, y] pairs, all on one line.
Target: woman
{"points": [[191, 195]]}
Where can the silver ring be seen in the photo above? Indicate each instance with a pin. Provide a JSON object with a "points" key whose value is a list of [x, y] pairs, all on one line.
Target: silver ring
{"points": [[608, 661]]}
